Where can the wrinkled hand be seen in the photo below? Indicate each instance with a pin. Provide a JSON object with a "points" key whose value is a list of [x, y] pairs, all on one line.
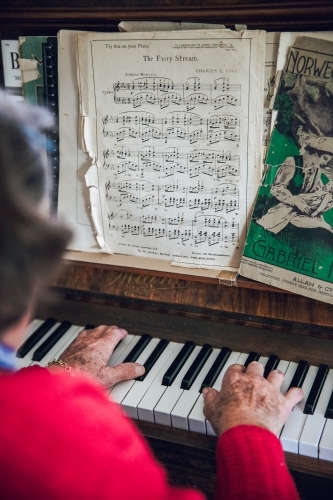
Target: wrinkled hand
{"points": [[91, 351], [246, 397]]}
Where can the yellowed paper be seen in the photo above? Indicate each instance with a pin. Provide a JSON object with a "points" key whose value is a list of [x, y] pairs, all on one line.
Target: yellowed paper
{"points": [[74, 200], [174, 135]]}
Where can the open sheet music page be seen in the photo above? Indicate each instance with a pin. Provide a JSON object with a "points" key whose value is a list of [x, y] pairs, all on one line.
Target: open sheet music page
{"points": [[173, 125]]}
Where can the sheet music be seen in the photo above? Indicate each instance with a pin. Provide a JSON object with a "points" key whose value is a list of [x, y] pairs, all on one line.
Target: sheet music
{"points": [[286, 40], [174, 132]]}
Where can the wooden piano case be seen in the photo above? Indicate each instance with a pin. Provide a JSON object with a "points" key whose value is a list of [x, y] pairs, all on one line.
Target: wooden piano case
{"points": [[249, 316]]}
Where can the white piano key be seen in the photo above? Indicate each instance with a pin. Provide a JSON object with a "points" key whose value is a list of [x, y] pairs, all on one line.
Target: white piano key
{"points": [[60, 346], [240, 361], [138, 390], [196, 419], [184, 405], [289, 373], [162, 411], [326, 442], [283, 366], [292, 430], [27, 359], [263, 360], [120, 390], [155, 391], [122, 349], [314, 424]]}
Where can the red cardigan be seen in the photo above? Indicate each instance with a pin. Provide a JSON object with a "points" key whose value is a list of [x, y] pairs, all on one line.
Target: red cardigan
{"points": [[60, 438]]}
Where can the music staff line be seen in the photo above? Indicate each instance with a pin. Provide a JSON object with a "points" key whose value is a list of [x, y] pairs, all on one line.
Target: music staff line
{"points": [[175, 125], [163, 91], [190, 102], [143, 187], [171, 169], [227, 203], [184, 235], [207, 221], [173, 118], [161, 84], [175, 133], [170, 154]]}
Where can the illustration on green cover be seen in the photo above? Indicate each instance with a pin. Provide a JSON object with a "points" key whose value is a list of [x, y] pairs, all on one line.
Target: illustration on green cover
{"points": [[31, 51], [292, 222]]}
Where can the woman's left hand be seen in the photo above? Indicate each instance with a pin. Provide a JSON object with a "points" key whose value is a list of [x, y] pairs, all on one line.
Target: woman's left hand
{"points": [[90, 352]]}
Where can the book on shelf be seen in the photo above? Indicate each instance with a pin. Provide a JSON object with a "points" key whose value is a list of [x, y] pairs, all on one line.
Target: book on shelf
{"points": [[290, 238], [11, 69], [170, 131], [38, 63], [31, 64]]}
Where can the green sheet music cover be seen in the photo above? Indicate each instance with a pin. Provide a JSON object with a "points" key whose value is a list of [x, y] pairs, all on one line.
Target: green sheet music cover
{"points": [[31, 62], [290, 239]]}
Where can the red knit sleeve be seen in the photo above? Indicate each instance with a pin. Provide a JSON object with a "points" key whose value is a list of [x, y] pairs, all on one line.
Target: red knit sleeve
{"points": [[251, 465]]}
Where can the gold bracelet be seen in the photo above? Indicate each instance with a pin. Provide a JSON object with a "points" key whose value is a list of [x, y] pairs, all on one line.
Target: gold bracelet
{"points": [[68, 369]]}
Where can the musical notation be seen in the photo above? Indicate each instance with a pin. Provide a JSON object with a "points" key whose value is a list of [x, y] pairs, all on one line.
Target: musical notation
{"points": [[183, 126], [164, 92], [216, 164], [224, 197], [172, 134], [166, 85], [165, 190], [209, 229]]}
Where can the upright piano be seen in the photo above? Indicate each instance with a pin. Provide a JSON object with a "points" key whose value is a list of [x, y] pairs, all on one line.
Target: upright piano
{"points": [[246, 317]]}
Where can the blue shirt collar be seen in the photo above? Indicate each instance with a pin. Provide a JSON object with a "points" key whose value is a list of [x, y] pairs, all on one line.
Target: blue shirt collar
{"points": [[7, 357]]}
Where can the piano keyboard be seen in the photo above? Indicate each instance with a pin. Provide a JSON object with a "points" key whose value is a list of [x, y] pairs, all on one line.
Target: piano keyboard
{"points": [[169, 393]]}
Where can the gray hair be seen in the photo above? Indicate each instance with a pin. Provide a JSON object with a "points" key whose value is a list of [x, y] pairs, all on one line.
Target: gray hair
{"points": [[31, 245]]}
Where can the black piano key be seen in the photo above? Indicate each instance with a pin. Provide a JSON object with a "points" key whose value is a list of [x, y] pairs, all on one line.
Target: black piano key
{"points": [[153, 358], [51, 341], [315, 391], [300, 374], [271, 364], [253, 356], [196, 366], [88, 327], [137, 349], [329, 409], [216, 368], [35, 337], [178, 363]]}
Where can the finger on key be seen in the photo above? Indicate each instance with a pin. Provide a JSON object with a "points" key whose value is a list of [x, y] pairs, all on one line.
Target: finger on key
{"points": [[255, 368], [114, 333], [276, 378], [294, 396], [110, 376], [233, 374], [236, 368]]}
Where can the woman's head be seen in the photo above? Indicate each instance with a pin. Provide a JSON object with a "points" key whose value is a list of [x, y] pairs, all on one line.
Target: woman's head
{"points": [[30, 244]]}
